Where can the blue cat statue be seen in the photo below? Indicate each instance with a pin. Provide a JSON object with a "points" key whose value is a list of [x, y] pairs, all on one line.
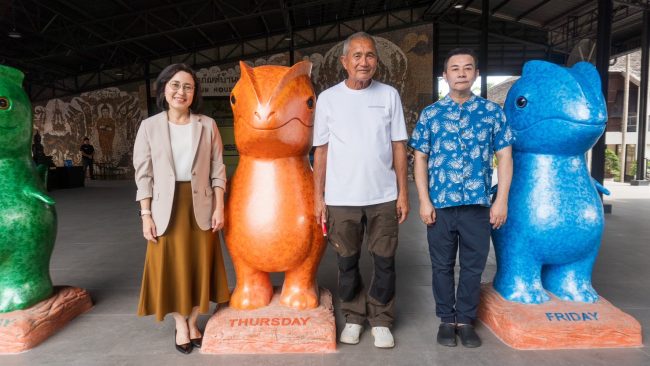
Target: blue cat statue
{"points": [[555, 216]]}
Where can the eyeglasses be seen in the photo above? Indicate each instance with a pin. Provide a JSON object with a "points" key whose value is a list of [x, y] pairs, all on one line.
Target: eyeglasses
{"points": [[175, 85]]}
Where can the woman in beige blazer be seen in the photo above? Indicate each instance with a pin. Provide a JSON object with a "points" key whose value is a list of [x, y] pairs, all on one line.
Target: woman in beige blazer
{"points": [[181, 180]]}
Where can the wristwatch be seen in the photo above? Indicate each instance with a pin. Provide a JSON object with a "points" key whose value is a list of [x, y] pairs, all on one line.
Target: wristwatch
{"points": [[145, 212]]}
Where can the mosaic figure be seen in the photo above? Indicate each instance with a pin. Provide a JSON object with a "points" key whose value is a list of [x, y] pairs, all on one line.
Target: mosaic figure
{"points": [[106, 132]]}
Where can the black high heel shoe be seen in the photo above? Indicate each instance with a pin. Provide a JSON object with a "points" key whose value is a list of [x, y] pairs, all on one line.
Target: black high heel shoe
{"points": [[183, 348], [196, 342]]}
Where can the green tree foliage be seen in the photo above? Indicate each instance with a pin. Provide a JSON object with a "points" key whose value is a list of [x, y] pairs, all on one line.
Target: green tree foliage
{"points": [[612, 164]]}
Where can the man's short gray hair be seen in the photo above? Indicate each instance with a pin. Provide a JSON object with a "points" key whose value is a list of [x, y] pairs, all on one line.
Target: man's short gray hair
{"points": [[358, 35]]}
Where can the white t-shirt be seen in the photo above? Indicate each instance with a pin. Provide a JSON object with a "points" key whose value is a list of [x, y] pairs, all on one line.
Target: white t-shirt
{"points": [[359, 126], [180, 137]]}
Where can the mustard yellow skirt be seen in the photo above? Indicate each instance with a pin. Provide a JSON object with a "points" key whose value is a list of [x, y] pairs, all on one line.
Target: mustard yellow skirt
{"points": [[185, 268]]}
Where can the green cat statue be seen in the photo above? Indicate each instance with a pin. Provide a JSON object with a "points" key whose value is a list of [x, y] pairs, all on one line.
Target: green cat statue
{"points": [[27, 214]]}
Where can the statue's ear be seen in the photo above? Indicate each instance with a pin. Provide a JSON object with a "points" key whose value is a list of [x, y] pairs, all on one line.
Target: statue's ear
{"points": [[246, 71], [247, 77], [297, 70], [13, 75], [300, 68], [589, 79], [542, 68]]}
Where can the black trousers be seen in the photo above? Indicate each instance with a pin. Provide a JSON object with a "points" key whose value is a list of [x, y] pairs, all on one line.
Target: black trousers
{"points": [[88, 163], [464, 230]]}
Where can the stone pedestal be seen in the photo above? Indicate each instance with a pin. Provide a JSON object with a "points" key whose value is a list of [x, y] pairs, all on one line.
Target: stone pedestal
{"points": [[557, 324], [22, 330], [272, 329]]}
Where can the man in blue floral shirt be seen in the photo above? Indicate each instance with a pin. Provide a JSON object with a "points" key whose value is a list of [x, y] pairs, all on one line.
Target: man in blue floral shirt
{"points": [[454, 141]]}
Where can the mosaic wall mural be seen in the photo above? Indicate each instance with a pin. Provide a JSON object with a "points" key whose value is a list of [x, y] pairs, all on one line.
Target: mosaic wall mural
{"points": [[108, 117]]}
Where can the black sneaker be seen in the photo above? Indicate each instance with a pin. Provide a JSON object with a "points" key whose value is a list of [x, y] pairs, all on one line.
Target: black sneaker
{"points": [[468, 336], [447, 334]]}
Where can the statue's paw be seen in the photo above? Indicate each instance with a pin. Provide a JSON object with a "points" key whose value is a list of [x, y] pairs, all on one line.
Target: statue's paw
{"points": [[523, 293], [583, 293], [299, 298], [248, 299], [528, 297]]}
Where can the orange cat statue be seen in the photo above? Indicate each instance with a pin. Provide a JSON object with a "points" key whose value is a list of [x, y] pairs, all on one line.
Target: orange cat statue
{"points": [[269, 223]]}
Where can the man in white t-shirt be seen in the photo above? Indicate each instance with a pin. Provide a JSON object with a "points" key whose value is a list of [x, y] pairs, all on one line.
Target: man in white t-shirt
{"points": [[360, 186]]}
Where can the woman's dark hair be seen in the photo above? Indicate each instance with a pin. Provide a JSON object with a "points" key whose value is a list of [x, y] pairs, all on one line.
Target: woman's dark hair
{"points": [[166, 75]]}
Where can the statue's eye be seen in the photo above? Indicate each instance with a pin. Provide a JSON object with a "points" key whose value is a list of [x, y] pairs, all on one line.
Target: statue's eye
{"points": [[4, 103], [521, 102], [232, 99], [310, 102]]}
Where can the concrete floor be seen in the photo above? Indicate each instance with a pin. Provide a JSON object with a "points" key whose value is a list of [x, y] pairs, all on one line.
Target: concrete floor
{"points": [[99, 247]]}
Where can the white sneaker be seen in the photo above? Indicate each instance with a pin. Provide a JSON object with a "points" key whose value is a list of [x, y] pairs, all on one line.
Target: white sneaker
{"points": [[383, 337], [350, 334]]}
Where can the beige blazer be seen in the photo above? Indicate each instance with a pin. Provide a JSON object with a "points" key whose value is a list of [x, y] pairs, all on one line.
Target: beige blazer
{"points": [[154, 168]]}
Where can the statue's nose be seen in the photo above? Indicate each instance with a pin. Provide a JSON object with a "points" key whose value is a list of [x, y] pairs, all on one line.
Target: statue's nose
{"points": [[263, 115]]}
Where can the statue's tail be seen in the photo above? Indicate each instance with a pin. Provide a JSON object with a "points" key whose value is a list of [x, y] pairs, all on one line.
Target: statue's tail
{"points": [[600, 187]]}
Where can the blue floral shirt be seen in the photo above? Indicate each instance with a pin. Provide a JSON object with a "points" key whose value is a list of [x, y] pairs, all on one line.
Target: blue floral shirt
{"points": [[460, 141]]}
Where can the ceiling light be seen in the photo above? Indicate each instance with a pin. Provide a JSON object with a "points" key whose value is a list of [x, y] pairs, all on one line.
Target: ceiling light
{"points": [[14, 34], [458, 6]]}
